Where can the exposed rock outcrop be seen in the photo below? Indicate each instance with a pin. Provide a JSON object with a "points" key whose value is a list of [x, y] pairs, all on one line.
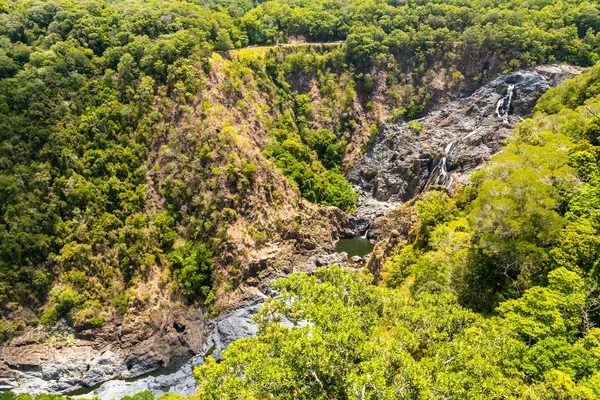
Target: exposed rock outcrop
{"points": [[63, 360], [68, 360], [448, 144], [451, 142], [369, 209], [224, 330], [270, 229]]}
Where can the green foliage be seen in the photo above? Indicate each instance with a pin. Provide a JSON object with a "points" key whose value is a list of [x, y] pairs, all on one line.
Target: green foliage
{"points": [[351, 339], [329, 151], [223, 41], [304, 161], [363, 43], [101, 172], [548, 311], [516, 214], [145, 395], [170, 396], [97, 322], [49, 316], [415, 126], [12, 396], [572, 94], [66, 299], [368, 83], [192, 265], [121, 303], [401, 267], [79, 96], [532, 210], [434, 208]]}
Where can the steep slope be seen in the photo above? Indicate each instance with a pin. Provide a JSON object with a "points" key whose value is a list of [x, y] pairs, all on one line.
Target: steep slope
{"points": [[490, 292], [207, 159], [213, 146], [443, 147], [399, 226]]}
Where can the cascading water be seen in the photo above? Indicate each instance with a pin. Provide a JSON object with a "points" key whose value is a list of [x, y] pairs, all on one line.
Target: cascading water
{"points": [[440, 171], [365, 235], [503, 106], [442, 167], [441, 179], [400, 163]]}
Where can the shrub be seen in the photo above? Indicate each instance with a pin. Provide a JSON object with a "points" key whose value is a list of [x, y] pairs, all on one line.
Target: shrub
{"points": [[192, 267], [49, 317], [120, 302], [249, 170], [415, 127], [368, 83], [97, 322], [68, 299]]}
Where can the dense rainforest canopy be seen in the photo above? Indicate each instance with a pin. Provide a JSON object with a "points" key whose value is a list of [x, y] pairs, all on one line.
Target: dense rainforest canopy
{"points": [[495, 295]]}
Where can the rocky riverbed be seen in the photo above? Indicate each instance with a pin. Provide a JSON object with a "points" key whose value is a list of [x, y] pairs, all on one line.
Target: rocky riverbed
{"points": [[224, 330]]}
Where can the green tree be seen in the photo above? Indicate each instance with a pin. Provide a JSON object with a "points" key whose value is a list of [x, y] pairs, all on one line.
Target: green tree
{"points": [[223, 41], [192, 266]]}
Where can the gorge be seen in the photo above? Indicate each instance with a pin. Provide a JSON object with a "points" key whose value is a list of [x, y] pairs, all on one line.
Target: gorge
{"points": [[457, 138], [325, 199]]}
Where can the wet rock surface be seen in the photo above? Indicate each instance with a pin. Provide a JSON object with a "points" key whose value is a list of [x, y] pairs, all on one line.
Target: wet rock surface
{"points": [[369, 209], [446, 145], [224, 330], [454, 140], [145, 347]]}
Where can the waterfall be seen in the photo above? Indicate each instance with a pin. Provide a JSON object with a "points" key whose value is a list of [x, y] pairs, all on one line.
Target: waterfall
{"points": [[443, 172], [439, 174], [364, 236], [442, 166], [448, 148], [431, 175], [441, 179], [503, 106]]}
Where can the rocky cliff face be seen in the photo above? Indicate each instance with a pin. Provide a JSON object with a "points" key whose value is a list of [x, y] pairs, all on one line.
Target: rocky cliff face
{"points": [[222, 331], [63, 360], [160, 325], [446, 145]]}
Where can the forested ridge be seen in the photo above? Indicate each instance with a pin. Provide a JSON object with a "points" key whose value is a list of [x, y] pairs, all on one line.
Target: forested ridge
{"points": [[148, 152]]}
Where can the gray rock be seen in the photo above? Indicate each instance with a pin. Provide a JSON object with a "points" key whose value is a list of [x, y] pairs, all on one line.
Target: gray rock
{"points": [[454, 140], [224, 330], [368, 210], [457, 138], [36, 367], [326, 260]]}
